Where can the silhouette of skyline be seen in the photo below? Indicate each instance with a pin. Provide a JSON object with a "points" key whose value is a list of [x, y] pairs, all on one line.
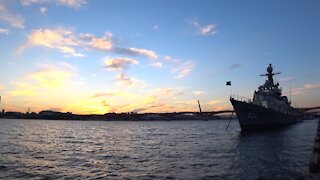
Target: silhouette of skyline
{"points": [[97, 57]]}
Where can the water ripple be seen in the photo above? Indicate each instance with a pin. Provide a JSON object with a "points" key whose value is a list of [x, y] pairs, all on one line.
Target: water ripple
{"points": [[40, 149]]}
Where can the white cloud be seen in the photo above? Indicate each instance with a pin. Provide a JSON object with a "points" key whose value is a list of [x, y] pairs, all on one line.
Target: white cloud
{"points": [[136, 51], [30, 2], [76, 4], [13, 20], [157, 64], [205, 30], [43, 10], [72, 3], [4, 31], [198, 93], [182, 69], [286, 79]]}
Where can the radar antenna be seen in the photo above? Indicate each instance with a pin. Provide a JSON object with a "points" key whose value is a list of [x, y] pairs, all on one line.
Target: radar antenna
{"points": [[270, 75]]}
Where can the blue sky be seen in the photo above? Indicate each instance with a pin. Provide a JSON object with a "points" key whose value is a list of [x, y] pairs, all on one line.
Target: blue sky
{"points": [[95, 56]]}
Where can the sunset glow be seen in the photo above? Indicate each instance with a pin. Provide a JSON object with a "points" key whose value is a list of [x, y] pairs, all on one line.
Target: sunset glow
{"points": [[87, 56]]}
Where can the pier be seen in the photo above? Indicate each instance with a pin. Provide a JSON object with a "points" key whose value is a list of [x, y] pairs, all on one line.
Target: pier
{"points": [[314, 166]]}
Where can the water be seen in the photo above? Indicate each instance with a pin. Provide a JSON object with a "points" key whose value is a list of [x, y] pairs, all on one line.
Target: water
{"points": [[40, 149]]}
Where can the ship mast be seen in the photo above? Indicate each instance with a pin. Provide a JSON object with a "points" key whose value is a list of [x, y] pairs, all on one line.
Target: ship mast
{"points": [[270, 75], [199, 106]]}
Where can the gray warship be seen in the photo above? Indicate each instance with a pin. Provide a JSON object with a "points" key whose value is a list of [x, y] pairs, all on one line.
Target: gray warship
{"points": [[268, 108]]}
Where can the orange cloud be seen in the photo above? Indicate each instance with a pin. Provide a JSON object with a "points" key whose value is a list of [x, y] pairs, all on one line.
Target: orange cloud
{"points": [[67, 41], [59, 39]]}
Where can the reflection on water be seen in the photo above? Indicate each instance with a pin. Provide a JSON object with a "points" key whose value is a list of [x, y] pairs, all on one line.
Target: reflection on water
{"points": [[165, 150]]}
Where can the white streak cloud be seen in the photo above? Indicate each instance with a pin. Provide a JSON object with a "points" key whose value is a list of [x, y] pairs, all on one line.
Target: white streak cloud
{"points": [[137, 51], [305, 88], [183, 69], [76, 4], [4, 31], [157, 64], [204, 30], [12, 19]]}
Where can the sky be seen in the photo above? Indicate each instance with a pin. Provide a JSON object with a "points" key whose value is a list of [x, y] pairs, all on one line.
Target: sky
{"points": [[100, 56]]}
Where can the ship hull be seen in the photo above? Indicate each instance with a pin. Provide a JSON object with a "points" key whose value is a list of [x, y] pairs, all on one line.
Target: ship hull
{"points": [[253, 116]]}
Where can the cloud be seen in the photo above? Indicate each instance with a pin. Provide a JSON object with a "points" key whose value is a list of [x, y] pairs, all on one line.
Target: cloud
{"points": [[124, 80], [118, 64], [60, 39], [188, 102], [72, 3], [43, 10], [183, 69], [198, 93], [285, 79], [48, 77], [70, 43], [234, 66], [67, 41], [179, 68], [91, 41], [166, 92], [304, 89], [13, 20], [23, 89], [157, 64], [76, 4], [204, 30], [113, 94], [136, 51], [30, 2], [52, 76], [4, 31], [214, 102]]}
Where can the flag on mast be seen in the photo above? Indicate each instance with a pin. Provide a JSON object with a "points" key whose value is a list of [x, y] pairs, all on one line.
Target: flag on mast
{"points": [[228, 83]]}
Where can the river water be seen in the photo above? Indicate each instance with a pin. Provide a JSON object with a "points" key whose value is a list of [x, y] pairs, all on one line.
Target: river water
{"points": [[43, 149]]}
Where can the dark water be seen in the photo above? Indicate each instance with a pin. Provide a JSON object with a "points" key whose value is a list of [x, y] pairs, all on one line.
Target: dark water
{"points": [[35, 149]]}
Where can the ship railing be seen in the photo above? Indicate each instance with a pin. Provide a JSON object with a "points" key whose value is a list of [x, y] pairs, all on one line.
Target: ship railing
{"points": [[240, 98]]}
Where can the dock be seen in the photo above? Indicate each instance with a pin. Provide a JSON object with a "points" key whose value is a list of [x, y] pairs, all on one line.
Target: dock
{"points": [[314, 166]]}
